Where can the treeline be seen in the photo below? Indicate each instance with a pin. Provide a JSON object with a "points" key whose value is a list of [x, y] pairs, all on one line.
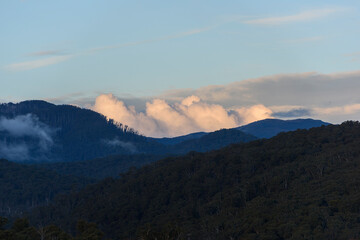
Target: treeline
{"points": [[297, 185]]}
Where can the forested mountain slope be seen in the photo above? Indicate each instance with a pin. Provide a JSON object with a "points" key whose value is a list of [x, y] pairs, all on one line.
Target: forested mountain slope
{"points": [[41, 131], [100, 168], [298, 185], [25, 187], [114, 165]]}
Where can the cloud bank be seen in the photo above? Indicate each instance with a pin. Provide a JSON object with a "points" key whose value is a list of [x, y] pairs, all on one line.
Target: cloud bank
{"points": [[330, 97], [162, 119]]}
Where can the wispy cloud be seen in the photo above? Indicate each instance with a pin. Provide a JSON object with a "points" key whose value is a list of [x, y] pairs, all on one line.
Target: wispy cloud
{"points": [[299, 17], [28, 65], [169, 37], [45, 53], [353, 57]]}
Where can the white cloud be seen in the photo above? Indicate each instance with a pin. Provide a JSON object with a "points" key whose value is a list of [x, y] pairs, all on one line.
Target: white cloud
{"points": [[299, 17], [27, 125], [162, 119]]}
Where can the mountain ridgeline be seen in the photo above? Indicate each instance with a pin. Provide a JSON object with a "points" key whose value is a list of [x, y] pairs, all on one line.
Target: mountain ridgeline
{"points": [[268, 128], [298, 185], [38, 131]]}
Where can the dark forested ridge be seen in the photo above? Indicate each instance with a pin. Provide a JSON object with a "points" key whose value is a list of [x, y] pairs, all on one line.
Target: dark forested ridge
{"points": [[24, 187], [298, 185], [100, 168], [71, 133]]}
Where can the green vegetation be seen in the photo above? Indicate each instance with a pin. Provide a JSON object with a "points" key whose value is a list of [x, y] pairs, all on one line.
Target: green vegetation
{"points": [[297, 185]]}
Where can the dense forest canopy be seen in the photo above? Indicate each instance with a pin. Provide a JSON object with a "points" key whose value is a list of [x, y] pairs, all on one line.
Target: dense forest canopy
{"points": [[297, 185], [24, 187]]}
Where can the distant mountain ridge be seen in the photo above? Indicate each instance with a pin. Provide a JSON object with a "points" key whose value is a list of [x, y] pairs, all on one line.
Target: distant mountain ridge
{"points": [[268, 128]]}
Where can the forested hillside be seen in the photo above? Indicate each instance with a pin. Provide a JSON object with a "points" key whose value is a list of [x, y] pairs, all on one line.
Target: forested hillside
{"points": [[43, 131], [25, 187], [112, 166], [100, 168], [297, 185]]}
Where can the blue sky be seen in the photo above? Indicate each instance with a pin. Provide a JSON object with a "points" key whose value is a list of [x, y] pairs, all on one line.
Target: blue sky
{"points": [[66, 51]]}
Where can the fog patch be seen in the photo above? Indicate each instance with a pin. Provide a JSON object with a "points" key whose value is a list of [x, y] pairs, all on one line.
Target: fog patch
{"points": [[14, 152], [117, 143], [23, 137]]}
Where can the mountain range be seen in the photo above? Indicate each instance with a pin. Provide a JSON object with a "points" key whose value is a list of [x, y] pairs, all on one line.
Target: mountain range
{"points": [[38, 131]]}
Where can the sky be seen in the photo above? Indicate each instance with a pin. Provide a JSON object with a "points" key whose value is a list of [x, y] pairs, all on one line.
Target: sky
{"points": [[168, 68]]}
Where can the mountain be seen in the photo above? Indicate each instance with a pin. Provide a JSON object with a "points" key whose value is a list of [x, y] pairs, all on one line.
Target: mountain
{"points": [[298, 185], [38, 131], [271, 127], [261, 129], [41, 131], [24, 187]]}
